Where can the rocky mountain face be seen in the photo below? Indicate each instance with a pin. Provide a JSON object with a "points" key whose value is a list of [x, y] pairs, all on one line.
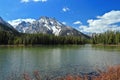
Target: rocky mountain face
{"points": [[48, 25], [4, 26]]}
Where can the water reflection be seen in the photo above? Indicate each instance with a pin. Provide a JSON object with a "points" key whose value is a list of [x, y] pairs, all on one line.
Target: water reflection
{"points": [[56, 58]]}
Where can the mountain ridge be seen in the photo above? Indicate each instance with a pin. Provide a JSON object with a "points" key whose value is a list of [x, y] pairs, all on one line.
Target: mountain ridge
{"points": [[44, 24], [47, 25], [5, 26]]}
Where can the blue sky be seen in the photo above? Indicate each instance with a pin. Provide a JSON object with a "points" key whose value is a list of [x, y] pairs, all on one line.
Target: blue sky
{"points": [[80, 14]]}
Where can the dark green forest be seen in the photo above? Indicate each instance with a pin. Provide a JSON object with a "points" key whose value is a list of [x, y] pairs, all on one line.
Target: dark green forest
{"points": [[8, 38], [109, 37]]}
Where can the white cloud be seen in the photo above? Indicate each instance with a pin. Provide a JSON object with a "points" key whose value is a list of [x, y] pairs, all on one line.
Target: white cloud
{"points": [[14, 23], [36, 0], [65, 9], [40, 0], [77, 22], [26, 1], [108, 21], [64, 23]]}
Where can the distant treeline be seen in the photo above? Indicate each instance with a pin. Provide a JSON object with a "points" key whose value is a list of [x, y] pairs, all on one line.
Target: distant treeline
{"points": [[109, 37], [8, 38]]}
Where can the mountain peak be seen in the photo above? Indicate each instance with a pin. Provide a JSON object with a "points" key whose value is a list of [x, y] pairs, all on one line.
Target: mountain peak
{"points": [[48, 25], [46, 17]]}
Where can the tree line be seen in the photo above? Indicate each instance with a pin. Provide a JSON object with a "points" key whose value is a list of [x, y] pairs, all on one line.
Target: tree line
{"points": [[109, 37], [8, 38]]}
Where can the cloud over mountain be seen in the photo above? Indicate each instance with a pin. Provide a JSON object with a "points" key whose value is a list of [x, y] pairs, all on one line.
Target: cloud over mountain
{"points": [[18, 21]]}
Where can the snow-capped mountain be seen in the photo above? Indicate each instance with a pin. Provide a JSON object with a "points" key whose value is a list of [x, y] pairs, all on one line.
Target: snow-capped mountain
{"points": [[47, 25], [23, 26], [5, 26]]}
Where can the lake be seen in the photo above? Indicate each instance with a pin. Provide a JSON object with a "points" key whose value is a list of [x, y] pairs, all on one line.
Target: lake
{"points": [[56, 60]]}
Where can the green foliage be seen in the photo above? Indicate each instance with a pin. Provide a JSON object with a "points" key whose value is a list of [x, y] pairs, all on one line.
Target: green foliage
{"points": [[108, 37], [7, 38]]}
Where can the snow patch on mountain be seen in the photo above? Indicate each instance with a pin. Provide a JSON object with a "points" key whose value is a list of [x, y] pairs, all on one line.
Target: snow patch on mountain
{"points": [[45, 25]]}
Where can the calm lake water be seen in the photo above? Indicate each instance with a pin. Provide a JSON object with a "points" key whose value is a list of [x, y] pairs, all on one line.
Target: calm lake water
{"points": [[56, 60]]}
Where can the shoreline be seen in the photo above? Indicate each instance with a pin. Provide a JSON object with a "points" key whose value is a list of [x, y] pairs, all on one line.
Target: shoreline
{"points": [[106, 45], [40, 45], [60, 45]]}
